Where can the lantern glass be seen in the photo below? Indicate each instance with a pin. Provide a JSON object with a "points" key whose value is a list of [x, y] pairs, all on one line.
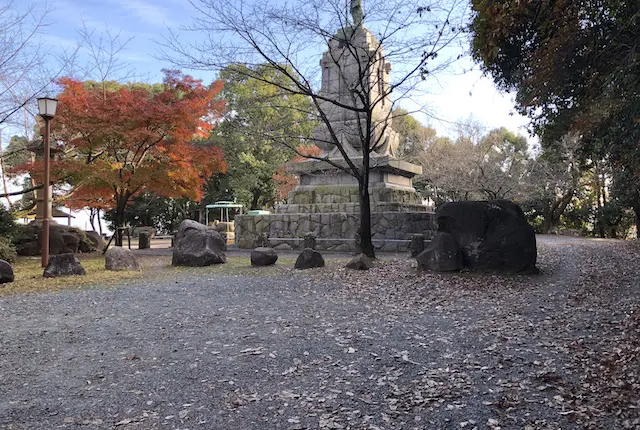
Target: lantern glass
{"points": [[47, 107]]}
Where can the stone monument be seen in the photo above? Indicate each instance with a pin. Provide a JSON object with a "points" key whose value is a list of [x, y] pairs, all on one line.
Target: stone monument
{"points": [[326, 201]]}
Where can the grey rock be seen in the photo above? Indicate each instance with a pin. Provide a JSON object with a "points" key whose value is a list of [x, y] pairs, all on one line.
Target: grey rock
{"points": [[6, 272], [309, 259], [197, 245], [71, 242], [442, 255], [63, 265], [96, 239], [360, 262], [283, 247], [263, 256], [28, 248], [118, 258], [493, 235]]}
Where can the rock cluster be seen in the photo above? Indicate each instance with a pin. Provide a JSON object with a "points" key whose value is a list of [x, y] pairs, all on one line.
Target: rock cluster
{"points": [[62, 240]]}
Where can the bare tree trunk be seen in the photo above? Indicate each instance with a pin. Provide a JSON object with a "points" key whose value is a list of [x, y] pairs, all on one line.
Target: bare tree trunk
{"points": [[552, 213], [599, 220], [92, 215], [121, 204], [99, 222], [366, 244]]}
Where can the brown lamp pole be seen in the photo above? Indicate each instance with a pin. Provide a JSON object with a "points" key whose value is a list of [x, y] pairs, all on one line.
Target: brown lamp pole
{"points": [[47, 109]]}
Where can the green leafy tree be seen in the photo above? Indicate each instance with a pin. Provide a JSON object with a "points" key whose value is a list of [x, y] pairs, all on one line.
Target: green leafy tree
{"points": [[575, 67], [258, 112]]}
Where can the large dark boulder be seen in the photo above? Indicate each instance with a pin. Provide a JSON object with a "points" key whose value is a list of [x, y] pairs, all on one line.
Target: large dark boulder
{"points": [[197, 245], [263, 256], [308, 259], [118, 258], [6, 272], [63, 265], [442, 255], [492, 235]]}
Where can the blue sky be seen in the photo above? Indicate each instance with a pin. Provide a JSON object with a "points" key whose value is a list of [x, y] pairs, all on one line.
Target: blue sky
{"points": [[455, 96]]}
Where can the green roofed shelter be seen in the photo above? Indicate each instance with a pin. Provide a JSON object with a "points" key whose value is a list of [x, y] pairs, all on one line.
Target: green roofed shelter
{"points": [[224, 207]]}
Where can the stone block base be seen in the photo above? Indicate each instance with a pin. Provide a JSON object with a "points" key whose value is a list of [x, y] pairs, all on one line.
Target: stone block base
{"points": [[334, 231]]}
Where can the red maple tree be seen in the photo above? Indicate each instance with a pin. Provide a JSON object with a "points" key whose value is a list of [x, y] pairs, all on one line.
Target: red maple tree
{"points": [[121, 140]]}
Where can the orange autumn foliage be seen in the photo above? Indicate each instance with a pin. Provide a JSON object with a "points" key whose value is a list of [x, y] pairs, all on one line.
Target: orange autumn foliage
{"points": [[121, 140]]}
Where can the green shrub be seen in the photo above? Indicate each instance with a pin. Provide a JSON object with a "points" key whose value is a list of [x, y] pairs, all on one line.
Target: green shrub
{"points": [[7, 223], [7, 250]]}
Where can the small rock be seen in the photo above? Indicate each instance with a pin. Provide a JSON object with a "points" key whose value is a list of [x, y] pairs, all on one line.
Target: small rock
{"points": [[308, 259], [6, 272], [63, 265], [360, 262], [118, 258], [263, 256]]}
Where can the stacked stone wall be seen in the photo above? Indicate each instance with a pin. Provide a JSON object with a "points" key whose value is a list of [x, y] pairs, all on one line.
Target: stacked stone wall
{"points": [[334, 231]]}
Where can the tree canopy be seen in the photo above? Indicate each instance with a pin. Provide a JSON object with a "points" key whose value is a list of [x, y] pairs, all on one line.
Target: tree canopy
{"points": [[575, 67], [258, 134], [123, 139]]}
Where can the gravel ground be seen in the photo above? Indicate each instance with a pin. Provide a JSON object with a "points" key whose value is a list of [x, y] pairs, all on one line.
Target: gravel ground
{"points": [[391, 348]]}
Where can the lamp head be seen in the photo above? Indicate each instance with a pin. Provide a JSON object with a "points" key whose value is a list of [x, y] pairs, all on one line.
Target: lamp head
{"points": [[47, 107]]}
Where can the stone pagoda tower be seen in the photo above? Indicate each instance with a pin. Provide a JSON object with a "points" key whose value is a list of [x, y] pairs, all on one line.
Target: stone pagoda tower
{"points": [[355, 80]]}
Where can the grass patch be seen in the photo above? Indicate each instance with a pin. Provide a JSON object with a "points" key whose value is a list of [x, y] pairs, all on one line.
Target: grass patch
{"points": [[29, 279]]}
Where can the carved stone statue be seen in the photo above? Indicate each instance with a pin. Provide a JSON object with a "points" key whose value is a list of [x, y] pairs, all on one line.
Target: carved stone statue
{"points": [[356, 12]]}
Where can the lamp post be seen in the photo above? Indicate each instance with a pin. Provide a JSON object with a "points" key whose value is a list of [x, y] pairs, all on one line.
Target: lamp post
{"points": [[47, 110]]}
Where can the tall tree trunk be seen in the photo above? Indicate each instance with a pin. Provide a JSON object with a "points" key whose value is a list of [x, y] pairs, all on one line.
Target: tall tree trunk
{"points": [[364, 232], [547, 221], [552, 213], [92, 215], [121, 204], [99, 222], [598, 188], [202, 214]]}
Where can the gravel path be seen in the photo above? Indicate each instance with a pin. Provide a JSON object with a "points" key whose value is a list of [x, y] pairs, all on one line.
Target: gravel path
{"points": [[391, 348]]}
